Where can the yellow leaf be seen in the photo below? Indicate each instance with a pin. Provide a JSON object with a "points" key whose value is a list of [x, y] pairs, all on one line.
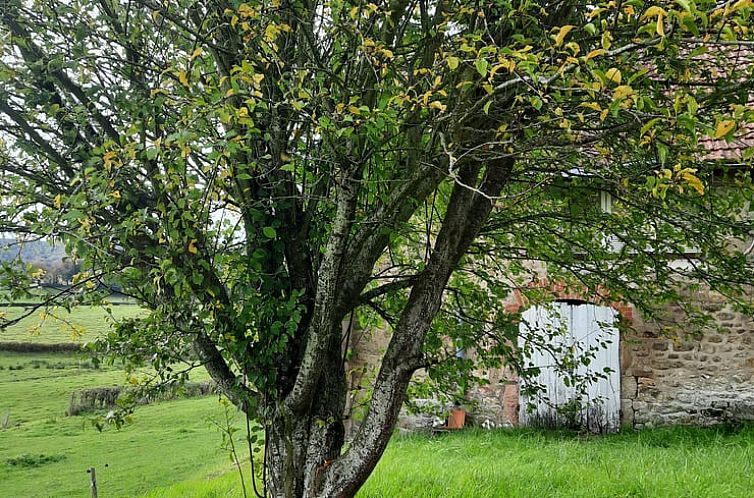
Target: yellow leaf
{"points": [[354, 110], [607, 40], [591, 105], [593, 54], [196, 53], [594, 13], [564, 30], [654, 11], [246, 11], [58, 201], [436, 104], [693, 181], [271, 32], [183, 78], [453, 62], [192, 247], [660, 26], [613, 74], [741, 4], [724, 127], [622, 92], [109, 159]]}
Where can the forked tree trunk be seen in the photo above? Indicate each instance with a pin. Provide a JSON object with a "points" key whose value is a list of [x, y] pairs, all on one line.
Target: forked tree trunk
{"points": [[305, 441], [300, 447]]}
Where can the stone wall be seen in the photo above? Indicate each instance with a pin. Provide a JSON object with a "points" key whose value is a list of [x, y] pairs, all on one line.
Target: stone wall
{"points": [[665, 379], [686, 380]]}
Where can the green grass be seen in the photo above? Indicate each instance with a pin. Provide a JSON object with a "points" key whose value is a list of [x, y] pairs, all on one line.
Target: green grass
{"points": [[661, 463], [520, 464], [44, 453], [173, 451], [38, 386], [167, 443], [60, 326]]}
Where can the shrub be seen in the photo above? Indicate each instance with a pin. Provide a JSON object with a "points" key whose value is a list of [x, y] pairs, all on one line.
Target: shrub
{"points": [[30, 461]]}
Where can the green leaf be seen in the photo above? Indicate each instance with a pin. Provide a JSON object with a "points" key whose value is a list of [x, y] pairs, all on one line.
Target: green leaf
{"points": [[481, 66], [269, 232]]}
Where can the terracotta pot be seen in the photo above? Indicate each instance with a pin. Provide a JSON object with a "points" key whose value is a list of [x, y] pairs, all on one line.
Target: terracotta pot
{"points": [[456, 418]]}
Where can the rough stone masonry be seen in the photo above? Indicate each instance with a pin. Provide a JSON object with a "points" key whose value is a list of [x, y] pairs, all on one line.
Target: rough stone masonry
{"points": [[666, 378]]}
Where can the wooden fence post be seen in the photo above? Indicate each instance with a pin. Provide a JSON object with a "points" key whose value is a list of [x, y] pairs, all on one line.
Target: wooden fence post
{"points": [[93, 477]]}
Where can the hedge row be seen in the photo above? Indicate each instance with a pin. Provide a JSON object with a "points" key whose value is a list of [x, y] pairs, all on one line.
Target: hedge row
{"points": [[98, 398], [37, 347]]}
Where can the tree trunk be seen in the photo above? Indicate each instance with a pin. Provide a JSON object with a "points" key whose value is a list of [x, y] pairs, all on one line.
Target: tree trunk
{"points": [[300, 447]]}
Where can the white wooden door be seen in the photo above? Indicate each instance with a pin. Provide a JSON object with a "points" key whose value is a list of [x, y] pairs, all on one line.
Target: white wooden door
{"points": [[572, 392]]}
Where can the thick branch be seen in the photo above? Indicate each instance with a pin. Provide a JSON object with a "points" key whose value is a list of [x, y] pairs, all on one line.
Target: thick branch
{"points": [[467, 212]]}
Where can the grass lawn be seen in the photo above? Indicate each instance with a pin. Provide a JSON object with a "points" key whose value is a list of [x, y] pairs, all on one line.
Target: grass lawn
{"points": [[44, 453], [521, 464], [660, 463], [167, 443], [38, 387], [173, 450], [60, 326]]}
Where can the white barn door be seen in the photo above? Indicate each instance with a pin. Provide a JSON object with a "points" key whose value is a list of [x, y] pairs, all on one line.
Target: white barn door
{"points": [[549, 336]]}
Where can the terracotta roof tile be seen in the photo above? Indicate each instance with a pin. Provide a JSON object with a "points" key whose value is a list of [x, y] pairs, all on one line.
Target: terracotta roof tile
{"points": [[717, 150]]}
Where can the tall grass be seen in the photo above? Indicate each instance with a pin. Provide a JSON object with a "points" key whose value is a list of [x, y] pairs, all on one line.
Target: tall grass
{"points": [[661, 463]]}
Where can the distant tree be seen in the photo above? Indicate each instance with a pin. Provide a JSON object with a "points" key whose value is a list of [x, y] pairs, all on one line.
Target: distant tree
{"points": [[256, 173], [61, 271]]}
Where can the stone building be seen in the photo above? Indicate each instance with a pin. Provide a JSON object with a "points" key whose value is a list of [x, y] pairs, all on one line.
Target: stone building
{"points": [[657, 379]]}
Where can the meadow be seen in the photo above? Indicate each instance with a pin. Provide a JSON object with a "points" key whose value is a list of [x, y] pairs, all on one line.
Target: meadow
{"points": [[57, 325], [44, 453]]}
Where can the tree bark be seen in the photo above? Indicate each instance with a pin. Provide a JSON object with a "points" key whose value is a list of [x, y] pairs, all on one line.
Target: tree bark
{"points": [[301, 447]]}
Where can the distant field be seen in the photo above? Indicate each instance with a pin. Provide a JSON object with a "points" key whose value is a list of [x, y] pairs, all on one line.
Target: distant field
{"points": [[57, 325], [168, 443], [44, 453]]}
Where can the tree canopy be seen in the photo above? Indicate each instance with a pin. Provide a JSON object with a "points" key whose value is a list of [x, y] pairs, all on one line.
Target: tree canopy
{"points": [[256, 173]]}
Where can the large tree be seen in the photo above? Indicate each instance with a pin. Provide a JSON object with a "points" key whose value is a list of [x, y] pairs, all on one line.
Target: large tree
{"points": [[256, 173]]}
